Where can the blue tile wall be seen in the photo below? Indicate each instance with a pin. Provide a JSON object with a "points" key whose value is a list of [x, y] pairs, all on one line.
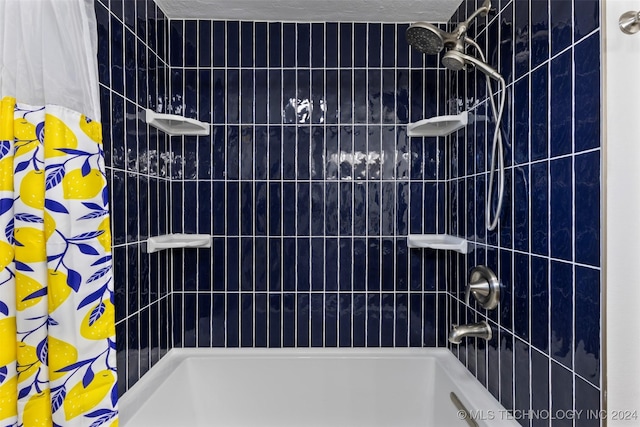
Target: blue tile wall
{"points": [[133, 76], [546, 350], [308, 184]]}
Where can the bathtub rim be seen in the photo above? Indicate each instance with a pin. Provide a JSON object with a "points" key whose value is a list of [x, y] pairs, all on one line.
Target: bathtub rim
{"points": [[472, 393]]}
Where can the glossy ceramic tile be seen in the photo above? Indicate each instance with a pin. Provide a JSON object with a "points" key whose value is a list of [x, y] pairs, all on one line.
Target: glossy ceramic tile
{"points": [[540, 28], [547, 249], [587, 99]]}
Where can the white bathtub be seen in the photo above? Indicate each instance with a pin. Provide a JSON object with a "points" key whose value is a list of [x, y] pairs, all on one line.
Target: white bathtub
{"points": [[309, 387]]}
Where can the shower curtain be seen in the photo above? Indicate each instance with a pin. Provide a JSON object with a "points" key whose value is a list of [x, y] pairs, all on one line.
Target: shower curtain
{"points": [[57, 334]]}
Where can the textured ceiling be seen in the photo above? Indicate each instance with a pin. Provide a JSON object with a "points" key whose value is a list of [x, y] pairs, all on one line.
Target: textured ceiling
{"points": [[313, 10]]}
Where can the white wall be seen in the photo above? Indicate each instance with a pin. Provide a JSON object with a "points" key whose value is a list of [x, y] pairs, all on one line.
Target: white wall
{"points": [[622, 210]]}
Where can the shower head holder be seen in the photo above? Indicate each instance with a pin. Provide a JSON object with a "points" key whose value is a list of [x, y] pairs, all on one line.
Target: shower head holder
{"points": [[456, 61]]}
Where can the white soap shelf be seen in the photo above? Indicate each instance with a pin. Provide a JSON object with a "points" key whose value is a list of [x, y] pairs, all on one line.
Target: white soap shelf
{"points": [[170, 241], [438, 126], [438, 241], [173, 125]]}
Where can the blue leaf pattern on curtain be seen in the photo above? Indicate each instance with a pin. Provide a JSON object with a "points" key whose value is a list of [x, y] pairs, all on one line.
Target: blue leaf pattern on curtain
{"points": [[57, 333]]}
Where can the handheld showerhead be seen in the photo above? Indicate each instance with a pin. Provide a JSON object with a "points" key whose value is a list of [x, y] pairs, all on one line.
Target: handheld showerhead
{"points": [[425, 38], [455, 60], [431, 40]]}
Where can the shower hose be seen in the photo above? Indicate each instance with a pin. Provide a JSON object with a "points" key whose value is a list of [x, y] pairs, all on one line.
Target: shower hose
{"points": [[497, 145]]}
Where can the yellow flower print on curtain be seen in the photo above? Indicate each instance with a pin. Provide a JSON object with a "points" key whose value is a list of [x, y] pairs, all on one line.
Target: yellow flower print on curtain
{"points": [[57, 334]]}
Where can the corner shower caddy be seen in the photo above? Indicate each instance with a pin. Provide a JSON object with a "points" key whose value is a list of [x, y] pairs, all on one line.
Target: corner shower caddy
{"points": [[173, 125], [438, 241], [178, 240], [438, 126]]}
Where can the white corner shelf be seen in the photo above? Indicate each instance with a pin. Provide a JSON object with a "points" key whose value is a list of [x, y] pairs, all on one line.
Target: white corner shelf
{"points": [[438, 241], [174, 125], [170, 241], [438, 126]]}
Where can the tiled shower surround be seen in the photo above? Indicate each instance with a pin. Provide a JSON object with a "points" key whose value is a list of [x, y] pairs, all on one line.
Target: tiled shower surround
{"points": [[547, 251], [309, 185]]}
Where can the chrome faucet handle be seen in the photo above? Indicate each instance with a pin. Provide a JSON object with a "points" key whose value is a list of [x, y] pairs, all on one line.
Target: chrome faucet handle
{"points": [[484, 286], [479, 287]]}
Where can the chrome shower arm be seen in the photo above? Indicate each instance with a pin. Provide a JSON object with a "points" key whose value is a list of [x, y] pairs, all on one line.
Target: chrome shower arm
{"points": [[462, 27]]}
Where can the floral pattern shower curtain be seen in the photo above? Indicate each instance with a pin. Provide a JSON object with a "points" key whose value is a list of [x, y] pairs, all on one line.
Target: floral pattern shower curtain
{"points": [[57, 335]]}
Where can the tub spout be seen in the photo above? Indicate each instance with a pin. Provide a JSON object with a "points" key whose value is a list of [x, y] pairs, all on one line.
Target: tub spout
{"points": [[479, 330]]}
